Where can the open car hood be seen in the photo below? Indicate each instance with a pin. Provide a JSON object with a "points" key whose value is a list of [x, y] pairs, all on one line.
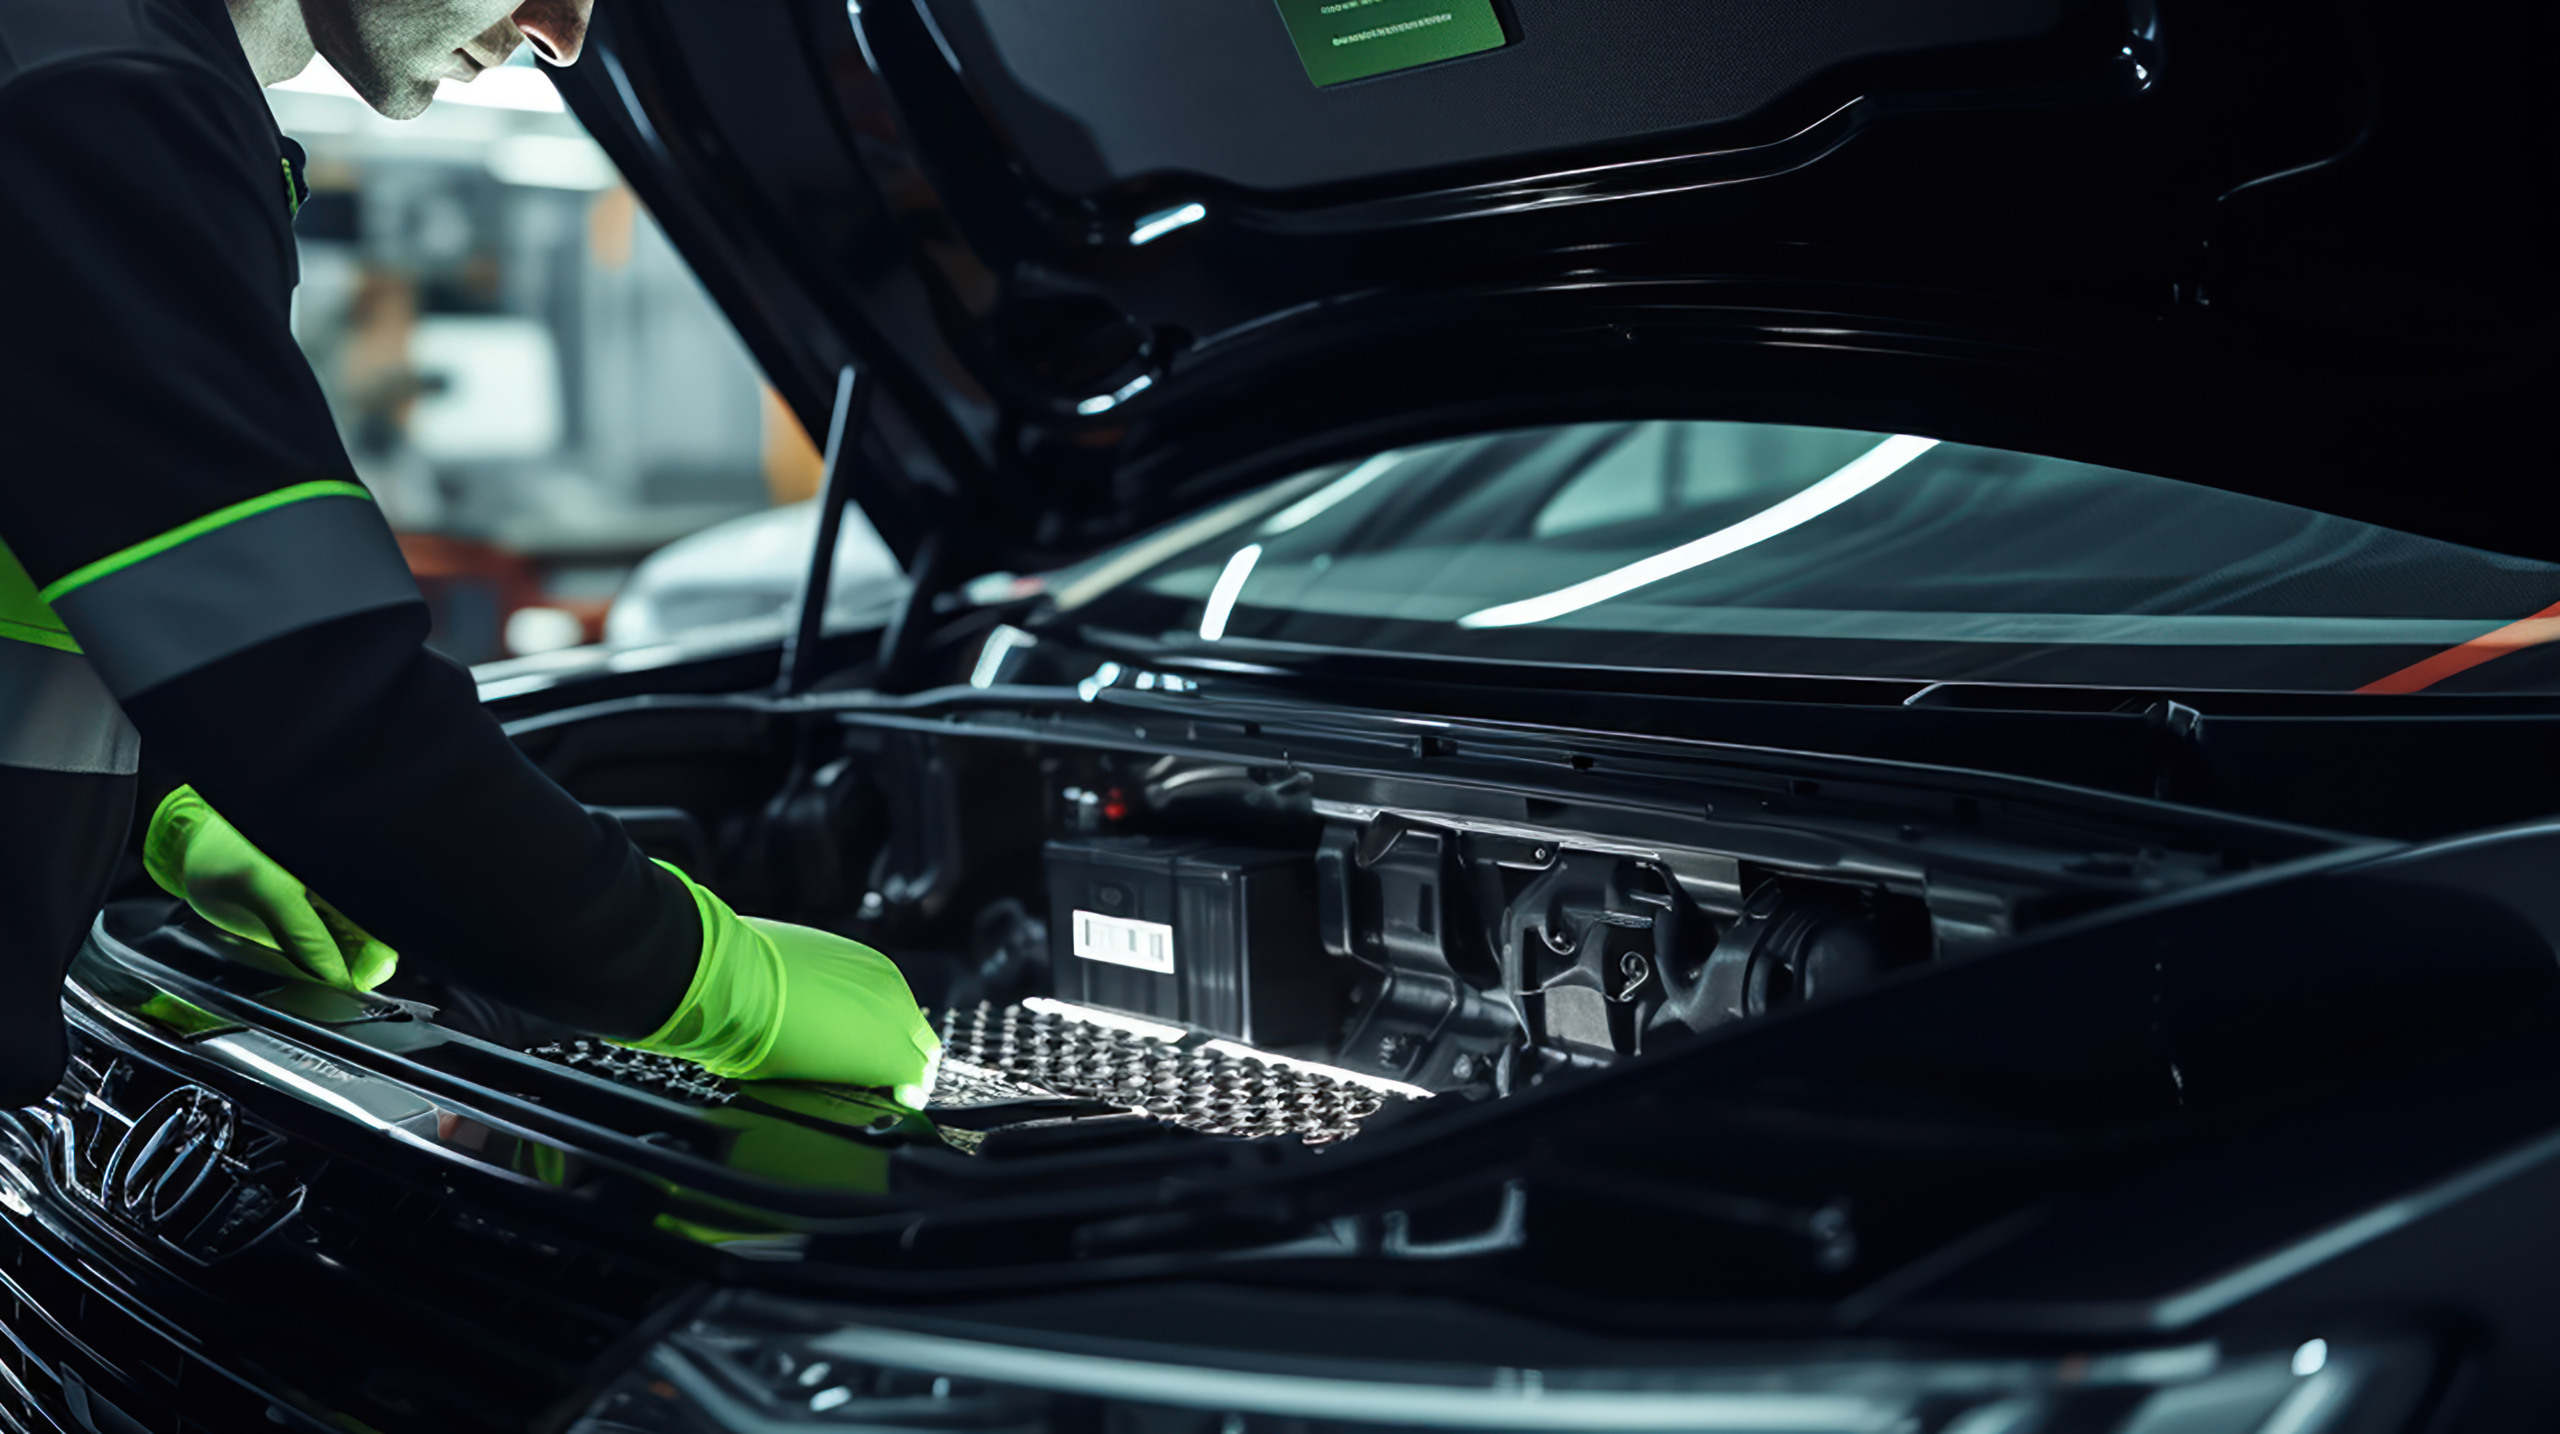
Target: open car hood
{"points": [[1111, 261]]}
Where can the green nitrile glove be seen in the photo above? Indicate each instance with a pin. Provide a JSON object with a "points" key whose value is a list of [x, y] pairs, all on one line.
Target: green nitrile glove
{"points": [[195, 855], [772, 1001]]}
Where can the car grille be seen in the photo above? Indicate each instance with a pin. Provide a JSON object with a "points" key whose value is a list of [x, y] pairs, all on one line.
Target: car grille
{"points": [[400, 1304]]}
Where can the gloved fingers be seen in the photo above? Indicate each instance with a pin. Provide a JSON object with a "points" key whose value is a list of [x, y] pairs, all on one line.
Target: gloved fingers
{"points": [[372, 964], [260, 902], [302, 935], [773, 1001], [174, 824], [261, 953], [191, 851], [369, 963], [845, 1015], [262, 912], [918, 1093]]}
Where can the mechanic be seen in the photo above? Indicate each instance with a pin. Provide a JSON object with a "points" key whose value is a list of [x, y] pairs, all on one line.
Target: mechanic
{"points": [[189, 563]]}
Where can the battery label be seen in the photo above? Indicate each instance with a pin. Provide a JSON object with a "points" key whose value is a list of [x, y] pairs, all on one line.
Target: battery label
{"points": [[1342, 40], [1146, 945]]}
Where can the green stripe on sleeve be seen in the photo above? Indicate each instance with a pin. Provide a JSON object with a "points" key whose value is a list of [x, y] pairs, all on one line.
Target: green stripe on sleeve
{"points": [[53, 637], [24, 616], [149, 548]]}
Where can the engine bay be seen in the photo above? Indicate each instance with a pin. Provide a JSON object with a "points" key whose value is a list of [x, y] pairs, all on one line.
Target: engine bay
{"points": [[1319, 1001], [1137, 906]]}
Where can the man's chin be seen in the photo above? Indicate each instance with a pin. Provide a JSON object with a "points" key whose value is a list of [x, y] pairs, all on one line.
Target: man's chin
{"points": [[399, 99]]}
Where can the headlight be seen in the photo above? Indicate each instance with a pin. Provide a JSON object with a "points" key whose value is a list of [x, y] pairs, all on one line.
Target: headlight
{"points": [[756, 1364]]}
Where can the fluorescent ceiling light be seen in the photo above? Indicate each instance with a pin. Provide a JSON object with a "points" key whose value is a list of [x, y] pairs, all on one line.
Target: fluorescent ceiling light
{"points": [[551, 161], [1164, 221], [1315, 503], [1860, 474], [1222, 598]]}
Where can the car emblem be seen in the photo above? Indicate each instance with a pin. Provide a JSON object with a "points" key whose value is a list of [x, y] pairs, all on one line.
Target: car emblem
{"points": [[169, 1156]]}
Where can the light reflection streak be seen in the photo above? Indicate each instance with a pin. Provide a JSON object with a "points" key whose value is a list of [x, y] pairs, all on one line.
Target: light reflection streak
{"points": [[1857, 476], [1164, 221], [1222, 598], [1315, 504]]}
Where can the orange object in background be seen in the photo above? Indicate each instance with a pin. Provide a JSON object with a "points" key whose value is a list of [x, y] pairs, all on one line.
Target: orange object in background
{"points": [[793, 466], [611, 222], [473, 588]]}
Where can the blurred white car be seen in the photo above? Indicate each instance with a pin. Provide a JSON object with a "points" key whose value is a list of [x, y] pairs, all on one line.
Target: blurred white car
{"points": [[747, 571]]}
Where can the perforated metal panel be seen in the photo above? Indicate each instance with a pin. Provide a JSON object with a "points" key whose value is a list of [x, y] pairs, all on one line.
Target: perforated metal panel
{"points": [[992, 1055], [1183, 1082]]}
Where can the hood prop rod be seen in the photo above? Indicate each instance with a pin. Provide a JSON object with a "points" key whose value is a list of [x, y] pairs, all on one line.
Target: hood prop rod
{"points": [[845, 426]]}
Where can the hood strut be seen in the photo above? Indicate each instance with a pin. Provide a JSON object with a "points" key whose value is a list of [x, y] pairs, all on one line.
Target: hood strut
{"points": [[851, 415], [935, 569]]}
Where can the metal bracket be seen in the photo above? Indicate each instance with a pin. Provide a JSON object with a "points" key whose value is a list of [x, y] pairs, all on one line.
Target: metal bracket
{"points": [[936, 570]]}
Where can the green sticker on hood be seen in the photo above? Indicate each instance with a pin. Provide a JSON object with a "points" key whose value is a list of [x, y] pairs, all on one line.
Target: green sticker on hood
{"points": [[1353, 39]]}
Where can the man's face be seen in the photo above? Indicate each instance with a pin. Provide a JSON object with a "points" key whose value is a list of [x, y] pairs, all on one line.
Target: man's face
{"points": [[394, 52]]}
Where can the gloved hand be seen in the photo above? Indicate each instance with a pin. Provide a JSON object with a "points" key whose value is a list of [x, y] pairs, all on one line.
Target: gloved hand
{"points": [[196, 855], [772, 1001]]}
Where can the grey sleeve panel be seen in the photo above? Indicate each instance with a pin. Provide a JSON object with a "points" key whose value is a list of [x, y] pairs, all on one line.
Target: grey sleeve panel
{"points": [[56, 716], [228, 590]]}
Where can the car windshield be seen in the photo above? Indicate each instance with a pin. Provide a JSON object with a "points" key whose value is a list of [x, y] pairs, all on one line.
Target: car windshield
{"points": [[1742, 547]]}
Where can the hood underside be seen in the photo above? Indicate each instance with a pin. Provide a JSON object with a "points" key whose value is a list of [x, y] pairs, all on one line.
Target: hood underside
{"points": [[1115, 260]]}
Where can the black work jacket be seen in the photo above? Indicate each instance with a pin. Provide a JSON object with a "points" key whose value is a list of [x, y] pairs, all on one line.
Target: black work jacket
{"points": [[208, 568]]}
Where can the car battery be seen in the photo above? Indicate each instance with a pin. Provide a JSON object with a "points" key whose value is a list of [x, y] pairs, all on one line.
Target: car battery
{"points": [[1219, 938]]}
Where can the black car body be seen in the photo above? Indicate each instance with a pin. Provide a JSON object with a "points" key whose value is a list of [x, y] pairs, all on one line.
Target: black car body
{"points": [[1744, 1024]]}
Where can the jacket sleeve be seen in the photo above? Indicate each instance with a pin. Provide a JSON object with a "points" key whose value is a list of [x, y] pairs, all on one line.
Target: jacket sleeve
{"points": [[180, 495]]}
